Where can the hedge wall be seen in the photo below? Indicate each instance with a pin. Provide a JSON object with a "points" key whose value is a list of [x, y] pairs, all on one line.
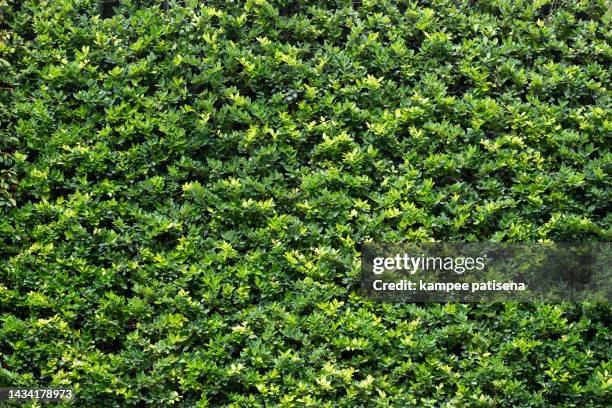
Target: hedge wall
{"points": [[183, 192]]}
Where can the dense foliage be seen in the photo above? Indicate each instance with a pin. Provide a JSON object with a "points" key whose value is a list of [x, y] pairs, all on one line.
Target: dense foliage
{"points": [[183, 191]]}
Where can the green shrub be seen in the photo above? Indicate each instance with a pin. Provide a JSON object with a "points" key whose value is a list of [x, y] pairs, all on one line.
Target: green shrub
{"points": [[183, 193]]}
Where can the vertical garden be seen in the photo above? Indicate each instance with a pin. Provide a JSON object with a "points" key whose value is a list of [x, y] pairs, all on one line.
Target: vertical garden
{"points": [[185, 187]]}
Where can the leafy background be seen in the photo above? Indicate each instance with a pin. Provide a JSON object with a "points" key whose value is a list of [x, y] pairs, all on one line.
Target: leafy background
{"points": [[184, 186]]}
